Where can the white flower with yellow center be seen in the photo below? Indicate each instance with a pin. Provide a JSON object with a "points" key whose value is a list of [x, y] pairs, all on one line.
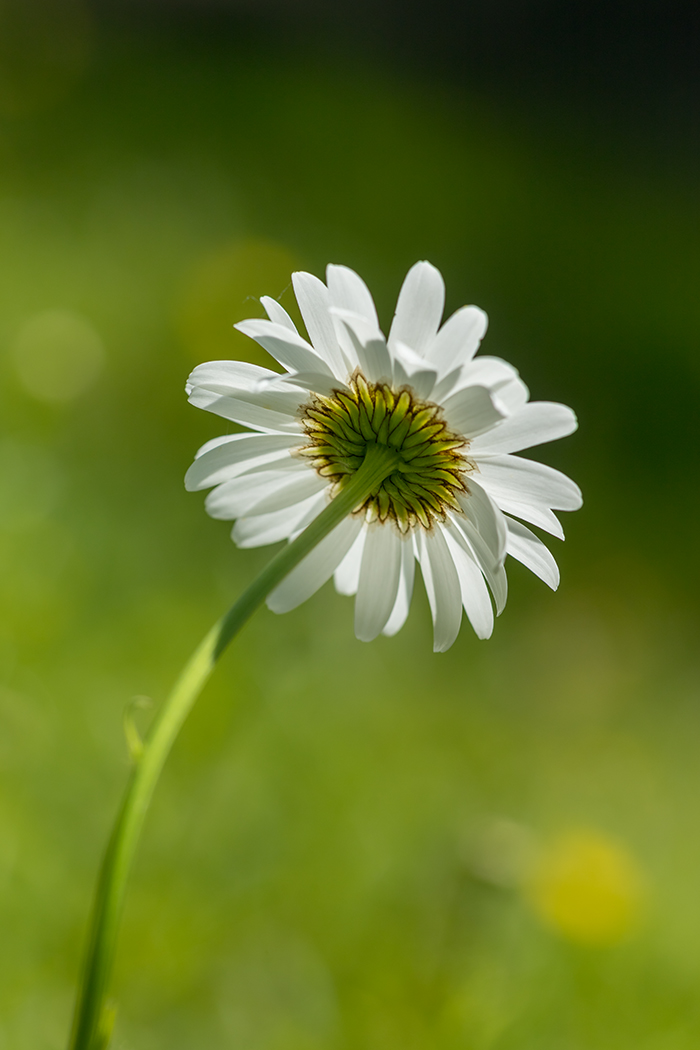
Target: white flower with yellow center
{"points": [[452, 420]]}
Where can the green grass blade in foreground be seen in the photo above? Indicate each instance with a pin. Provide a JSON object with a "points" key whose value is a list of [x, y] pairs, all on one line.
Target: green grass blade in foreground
{"points": [[92, 1021]]}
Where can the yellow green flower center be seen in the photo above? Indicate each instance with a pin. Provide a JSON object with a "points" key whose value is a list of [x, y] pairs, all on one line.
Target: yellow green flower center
{"points": [[431, 466]]}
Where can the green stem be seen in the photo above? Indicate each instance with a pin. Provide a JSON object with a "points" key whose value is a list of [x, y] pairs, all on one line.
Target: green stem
{"points": [[93, 1020]]}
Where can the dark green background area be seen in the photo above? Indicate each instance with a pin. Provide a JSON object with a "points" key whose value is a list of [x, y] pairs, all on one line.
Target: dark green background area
{"points": [[304, 882]]}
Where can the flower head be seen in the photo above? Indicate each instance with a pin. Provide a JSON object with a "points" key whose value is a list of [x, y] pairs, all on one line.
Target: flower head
{"points": [[453, 420]]}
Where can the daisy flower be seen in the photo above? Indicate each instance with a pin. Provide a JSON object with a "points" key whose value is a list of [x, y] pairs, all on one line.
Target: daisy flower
{"points": [[458, 496]]}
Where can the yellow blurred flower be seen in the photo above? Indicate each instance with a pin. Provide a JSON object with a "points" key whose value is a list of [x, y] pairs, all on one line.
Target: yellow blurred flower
{"points": [[588, 887]]}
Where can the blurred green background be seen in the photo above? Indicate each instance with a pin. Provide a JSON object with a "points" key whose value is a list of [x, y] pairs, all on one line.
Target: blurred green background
{"points": [[354, 847]]}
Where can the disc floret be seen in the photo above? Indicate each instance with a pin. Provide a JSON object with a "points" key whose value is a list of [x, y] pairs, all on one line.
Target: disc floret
{"points": [[432, 463]]}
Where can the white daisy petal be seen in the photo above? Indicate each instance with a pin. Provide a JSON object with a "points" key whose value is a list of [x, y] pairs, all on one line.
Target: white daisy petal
{"points": [[292, 352], [536, 514], [346, 344], [247, 394], [369, 347], [261, 529], [467, 537], [222, 440], [419, 308], [491, 372], [533, 424], [482, 532], [274, 395], [263, 492], [349, 292], [225, 377], [347, 576], [458, 339], [314, 303], [442, 586], [524, 546], [512, 393], [373, 358], [379, 581], [315, 383], [471, 411], [486, 518], [473, 591], [245, 413], [498, 582], [402, 604], [277, 313], [409, 369], [527, 481], [317, 567], [240, 453]]}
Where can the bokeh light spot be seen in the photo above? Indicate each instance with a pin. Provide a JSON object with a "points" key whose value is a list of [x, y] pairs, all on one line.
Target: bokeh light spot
{"points": [[588, 887], [30, 482], [223, 288], [501, 852], [58, 355]]}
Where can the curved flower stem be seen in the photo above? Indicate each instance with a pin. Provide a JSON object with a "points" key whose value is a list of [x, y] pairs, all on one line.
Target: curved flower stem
{"points": [[93, 1019]]}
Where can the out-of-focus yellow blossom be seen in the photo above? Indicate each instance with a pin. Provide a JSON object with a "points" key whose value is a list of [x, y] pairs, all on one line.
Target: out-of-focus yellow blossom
{"points": [[588, 887]]}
